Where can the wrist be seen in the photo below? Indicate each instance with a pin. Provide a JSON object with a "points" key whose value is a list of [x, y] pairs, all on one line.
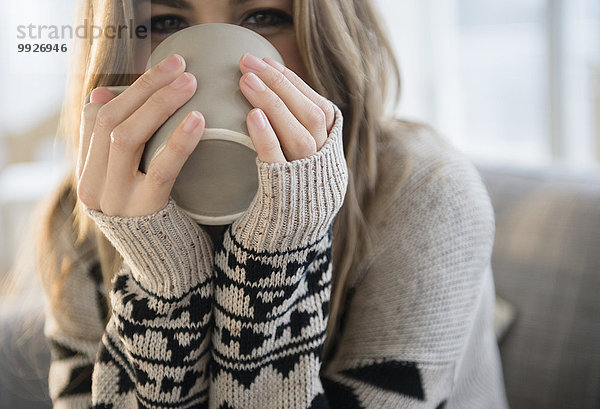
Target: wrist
{"points": [[168, 253]]}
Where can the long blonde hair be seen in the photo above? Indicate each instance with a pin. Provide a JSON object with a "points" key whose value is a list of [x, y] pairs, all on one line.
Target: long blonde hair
{"points": [[349, 60]]}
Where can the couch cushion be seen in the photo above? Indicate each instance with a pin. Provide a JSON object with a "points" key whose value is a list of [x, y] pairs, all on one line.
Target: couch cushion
{"points": [[546, 262], [24, 356]]}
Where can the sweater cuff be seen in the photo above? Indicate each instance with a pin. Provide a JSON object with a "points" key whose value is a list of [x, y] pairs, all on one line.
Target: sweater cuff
{"points": [[296, 201], [168, 253]]}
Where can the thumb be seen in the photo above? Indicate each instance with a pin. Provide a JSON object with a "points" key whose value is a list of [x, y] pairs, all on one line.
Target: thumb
{"points": [[101, 95]]}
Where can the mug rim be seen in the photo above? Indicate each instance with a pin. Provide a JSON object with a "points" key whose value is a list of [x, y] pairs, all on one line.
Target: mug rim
{"points": [[203, 26]]}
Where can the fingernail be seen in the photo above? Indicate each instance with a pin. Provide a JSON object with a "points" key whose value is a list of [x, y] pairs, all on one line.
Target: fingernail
{"points": [[275, 64], [192, 121], [254, 82], [253, 63], [171, 63], [182, 80], [259, 119]]}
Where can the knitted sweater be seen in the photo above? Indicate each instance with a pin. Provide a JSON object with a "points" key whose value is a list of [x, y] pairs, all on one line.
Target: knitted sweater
{"points": [[238, 320]]}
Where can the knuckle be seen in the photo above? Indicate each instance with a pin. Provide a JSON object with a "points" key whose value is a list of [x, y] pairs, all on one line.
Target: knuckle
{"points": [[162, 106], [159, 99], [329, 111], [146, 81], [107, 207], [105, 117], [120, 139], [295, 78], [158, 178], [278, 80], [315, 118], [306, 146], [89, 112], [276, 104], [84, 193], [179, 148], [271, 147]]}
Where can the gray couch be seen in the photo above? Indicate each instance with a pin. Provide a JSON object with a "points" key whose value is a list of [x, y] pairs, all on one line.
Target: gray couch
{"points": [[546, 263], [24, 357]]}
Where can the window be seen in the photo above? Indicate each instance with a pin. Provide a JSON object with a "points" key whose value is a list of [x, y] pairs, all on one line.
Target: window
{"points": [[512, 81]]}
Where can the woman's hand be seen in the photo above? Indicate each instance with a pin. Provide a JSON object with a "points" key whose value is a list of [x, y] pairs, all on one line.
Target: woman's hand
{"points": [[113, 134], [297, 119]]}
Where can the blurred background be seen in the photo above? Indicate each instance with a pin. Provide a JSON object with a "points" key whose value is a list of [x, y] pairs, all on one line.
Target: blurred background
{"points": [[514, 84]]}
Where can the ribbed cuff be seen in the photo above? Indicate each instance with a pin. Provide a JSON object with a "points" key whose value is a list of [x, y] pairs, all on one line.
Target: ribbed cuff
{"points": [[296, 201], [167, 251]]}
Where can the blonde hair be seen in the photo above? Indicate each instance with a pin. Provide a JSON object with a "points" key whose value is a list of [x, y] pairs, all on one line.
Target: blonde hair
{"points": [[349, 60]]}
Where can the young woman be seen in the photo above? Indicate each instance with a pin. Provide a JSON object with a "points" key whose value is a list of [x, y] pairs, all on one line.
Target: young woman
{"points": [[358, 277]]}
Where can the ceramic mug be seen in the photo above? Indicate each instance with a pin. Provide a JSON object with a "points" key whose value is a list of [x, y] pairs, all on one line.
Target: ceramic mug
{"points": [[220, 178]]}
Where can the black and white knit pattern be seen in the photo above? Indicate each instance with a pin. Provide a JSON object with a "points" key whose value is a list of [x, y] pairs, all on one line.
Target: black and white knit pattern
{"points": [[270, 316], [155, 350]]}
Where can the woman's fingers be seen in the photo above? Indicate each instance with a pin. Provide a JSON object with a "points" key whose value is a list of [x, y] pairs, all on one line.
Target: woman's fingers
{"points": [[115, 129], [322, 102], [101, 95], [123, 105], [158, 76], [308, 113], [165, 167], [296, 141], [98, 97], [88, 116], [88, 194], [263, 137], [129, 137]]}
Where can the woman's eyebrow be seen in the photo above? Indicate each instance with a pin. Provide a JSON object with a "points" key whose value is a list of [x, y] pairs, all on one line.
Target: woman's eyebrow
{"points": [[239, 2]]}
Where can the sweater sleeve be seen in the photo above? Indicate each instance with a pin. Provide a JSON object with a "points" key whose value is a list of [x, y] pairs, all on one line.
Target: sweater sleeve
{"points": [[273, 282], [414, 309], [155, 349]]}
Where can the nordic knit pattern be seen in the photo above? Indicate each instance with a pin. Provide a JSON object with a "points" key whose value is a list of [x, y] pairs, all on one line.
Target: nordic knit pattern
{"points": [[240, 323]]}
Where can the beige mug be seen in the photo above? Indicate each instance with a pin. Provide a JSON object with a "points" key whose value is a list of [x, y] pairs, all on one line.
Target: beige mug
{"points": [[220, 178]]}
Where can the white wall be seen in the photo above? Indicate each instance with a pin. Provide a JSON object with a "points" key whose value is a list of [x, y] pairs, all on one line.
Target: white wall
{"points": [[508, 81], [32, 87], [32, 83]]}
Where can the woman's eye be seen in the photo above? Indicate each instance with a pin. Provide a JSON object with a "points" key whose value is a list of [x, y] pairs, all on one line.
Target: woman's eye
{"points": [[267, 18], [166, 24]]}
